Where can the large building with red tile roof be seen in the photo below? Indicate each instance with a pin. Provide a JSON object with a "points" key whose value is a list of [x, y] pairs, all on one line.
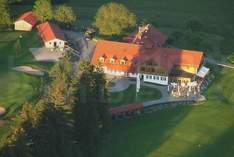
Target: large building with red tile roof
{"points": [[26, 22], [155, 64], [52, 35]]}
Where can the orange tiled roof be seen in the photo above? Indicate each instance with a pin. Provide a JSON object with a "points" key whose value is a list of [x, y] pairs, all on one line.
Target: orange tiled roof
{"points": [[50, 31], [164, 57], [28, 17]]}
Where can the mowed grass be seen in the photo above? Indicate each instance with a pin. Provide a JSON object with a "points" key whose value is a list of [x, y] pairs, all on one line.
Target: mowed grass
{"points": [[15, 87], [129, 95], [185, 131]]}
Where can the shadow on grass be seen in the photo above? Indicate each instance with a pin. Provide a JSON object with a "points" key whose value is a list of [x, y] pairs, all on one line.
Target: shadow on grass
{"points": [[139, 137], [221, 147]]}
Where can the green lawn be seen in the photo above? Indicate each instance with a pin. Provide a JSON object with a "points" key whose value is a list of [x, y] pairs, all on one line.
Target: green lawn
{"points": [[185, 131], [16, 88], [129, 95]]}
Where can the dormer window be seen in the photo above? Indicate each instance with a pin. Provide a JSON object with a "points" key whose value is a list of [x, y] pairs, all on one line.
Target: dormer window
{"points": [[113, 59], [123, 61], [102, 58]]}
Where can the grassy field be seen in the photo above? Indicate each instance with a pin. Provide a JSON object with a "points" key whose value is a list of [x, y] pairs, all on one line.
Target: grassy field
{"points": [[129, 95], [17, 88], [185, 131]]}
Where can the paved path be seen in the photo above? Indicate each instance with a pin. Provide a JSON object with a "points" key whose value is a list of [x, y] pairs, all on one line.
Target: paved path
{"points": [[46, 54], [166, 97], [215, 62], [86, 47], [120, 85]]}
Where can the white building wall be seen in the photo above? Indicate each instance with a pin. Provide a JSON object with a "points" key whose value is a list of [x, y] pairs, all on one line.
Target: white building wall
{"points": [[113, 72], [157, 79], [22, 26], [163, 80], [133, 75], [51, 43]]}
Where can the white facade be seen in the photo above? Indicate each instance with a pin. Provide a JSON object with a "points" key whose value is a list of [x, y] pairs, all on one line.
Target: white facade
{"points": [[22, 25], [157, 79], [56, 43], [163, 80], [113, 72]]}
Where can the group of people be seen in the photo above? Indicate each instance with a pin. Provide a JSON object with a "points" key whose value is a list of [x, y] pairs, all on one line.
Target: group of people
{"points": [[184, 89]]}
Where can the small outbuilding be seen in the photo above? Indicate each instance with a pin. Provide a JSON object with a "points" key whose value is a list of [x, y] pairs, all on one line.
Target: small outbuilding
{"points": [[26, 22], [52, 36]]}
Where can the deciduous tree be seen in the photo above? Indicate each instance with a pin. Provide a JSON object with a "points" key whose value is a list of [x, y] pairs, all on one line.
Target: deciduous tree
{"points": [[113, 18], [5, 18], [43, 10], [64, 15]]}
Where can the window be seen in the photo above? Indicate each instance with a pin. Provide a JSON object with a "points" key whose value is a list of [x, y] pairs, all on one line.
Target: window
{"points": [[157, 77], [122, 62], [163, 78], [150, 77], [112, 60], [101, 59], [147, 76], [154, 77]]}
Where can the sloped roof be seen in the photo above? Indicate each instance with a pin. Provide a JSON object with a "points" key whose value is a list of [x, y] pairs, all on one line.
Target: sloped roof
{"points": [[119, 50], [126, 108], [147, 35], [50, 31], [167, 58], [28, 17]]}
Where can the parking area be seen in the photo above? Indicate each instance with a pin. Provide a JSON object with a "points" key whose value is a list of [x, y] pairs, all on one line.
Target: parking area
{"points": [[46, 54], [77, 41]]}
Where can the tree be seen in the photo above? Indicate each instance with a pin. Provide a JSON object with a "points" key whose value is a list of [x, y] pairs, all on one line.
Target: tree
{"points": [[60, 91], [64, 15], [43, 10], [113, 18], [91, 109], [5, 18]]}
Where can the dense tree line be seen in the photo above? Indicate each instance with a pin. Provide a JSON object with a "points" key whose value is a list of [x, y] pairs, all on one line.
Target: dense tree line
{"points": [[60, 127], [63, 14], [5, 17]]}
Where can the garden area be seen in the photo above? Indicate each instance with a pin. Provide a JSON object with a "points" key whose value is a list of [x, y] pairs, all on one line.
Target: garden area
{"points": [[129, 95]]}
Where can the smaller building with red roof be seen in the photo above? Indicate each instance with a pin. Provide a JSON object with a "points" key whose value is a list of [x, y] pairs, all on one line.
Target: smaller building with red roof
{"points": [[26, 21], [52, 35], [147, 35]]}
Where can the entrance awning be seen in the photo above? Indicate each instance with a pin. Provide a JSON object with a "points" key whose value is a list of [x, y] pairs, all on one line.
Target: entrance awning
{"points": [[203, 71]]}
